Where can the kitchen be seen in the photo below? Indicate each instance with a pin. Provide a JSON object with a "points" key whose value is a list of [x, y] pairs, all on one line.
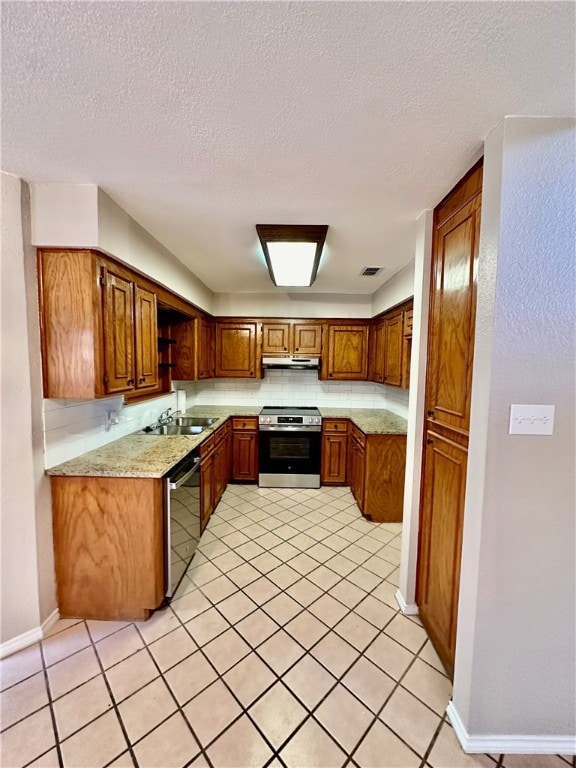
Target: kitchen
{"points": [[74, 427]]}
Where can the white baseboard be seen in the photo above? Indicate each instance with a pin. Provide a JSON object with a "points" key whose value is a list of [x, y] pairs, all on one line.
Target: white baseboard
{"points": [[27, 639], [410, 609], [509, 744]]}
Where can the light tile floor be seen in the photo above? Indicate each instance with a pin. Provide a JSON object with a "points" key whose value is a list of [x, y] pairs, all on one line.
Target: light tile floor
{"points": [[284, 647]]}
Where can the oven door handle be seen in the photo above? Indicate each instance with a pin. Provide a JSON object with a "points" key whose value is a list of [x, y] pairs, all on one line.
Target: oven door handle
{"points": [[290, 428]]}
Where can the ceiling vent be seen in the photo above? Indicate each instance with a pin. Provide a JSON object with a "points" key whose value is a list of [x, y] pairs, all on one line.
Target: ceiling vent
{"points": [[371, 271]]}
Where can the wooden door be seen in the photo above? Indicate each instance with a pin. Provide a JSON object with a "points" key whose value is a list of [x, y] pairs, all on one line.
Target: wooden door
{"points": [[146, 340], [205, 348], [276, 339], [376, 352], [347, 352], [333, 471], [245, 456], [448, 389], [394, 336], [236, 345], [207, 482], [441, 542], [307, 339], [118, 334]]}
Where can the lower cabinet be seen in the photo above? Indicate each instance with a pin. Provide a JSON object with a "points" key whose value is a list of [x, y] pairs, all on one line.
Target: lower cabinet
{"points": [[245, 449], [108, 546], [376, 469], [334, 451], [215, 471]]}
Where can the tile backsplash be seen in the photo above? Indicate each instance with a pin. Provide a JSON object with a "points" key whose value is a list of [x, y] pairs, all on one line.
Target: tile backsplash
{"points": [[73, 427]]}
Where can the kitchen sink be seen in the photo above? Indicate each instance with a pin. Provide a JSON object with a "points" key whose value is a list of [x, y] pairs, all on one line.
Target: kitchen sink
{"points": [[176, 429], [191, 421]]}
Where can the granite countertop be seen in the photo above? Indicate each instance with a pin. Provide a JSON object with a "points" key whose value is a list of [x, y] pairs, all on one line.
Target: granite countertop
{"points": [[372, 421], [152, 456]]}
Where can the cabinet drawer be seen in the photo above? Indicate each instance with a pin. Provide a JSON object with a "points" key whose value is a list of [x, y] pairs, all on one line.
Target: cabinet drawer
{"points": [[408, 321], [248, 423], [207, 446], [335, 425], [358, 435]]}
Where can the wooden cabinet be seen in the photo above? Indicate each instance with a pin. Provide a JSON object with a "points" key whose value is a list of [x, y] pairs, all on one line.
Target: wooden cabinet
{"points": [[205, 348], [99, 328], [109, 546], [376, 352], [390, 347], [236, 350], [345, 357], [441, 541], [215, 470], [334, 451], [447, 403], [291, 337], [393, 340], [245, 449], [376, 471]]}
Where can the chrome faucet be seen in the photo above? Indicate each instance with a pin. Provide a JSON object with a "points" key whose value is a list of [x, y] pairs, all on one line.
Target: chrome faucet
{"points": [[166, 417]]}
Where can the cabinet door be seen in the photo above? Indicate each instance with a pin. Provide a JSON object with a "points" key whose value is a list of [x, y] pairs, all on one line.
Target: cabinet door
{"points": [[245, 456], [394, 336], [118, 334], [146, 340], [236, 350], [307, 339], [376, 353], [333, 459], [452, 317], [206, 490], [205, 348], [347, 352], [441, 542], [276, 339], [184, 350]]}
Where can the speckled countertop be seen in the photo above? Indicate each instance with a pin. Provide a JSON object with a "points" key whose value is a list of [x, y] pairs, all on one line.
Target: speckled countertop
{"points": [[140, 455], [372, 421]]}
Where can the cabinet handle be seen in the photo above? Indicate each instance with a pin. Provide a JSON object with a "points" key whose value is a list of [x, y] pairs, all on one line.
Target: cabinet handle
{"points": [[431, 414], [429, 442], [297, 349], [130, 382], [330, 374], [142, 379], [285, 349], [251, 373]]}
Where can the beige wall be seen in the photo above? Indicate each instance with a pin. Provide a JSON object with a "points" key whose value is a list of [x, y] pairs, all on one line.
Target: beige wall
{"points": [[28, 596], [516, 647], [399, 288], [293, 305]]}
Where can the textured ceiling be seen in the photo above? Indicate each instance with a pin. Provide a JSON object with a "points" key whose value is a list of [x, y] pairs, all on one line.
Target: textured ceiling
{"points": [[203, 119]]}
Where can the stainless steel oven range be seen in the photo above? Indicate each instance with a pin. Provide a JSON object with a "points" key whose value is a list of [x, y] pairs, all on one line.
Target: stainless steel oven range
{"points": [[289, 447]]}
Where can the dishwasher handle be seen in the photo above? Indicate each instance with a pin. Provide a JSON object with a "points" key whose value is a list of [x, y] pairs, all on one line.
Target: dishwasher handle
{"points": [[173, 485]]}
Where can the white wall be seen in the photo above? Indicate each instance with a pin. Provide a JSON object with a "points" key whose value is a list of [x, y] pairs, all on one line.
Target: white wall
{"points": [[415, 434], [83, 216], [282, 304], [28, 595], [122, 237], [516, 647], [396, 290]]}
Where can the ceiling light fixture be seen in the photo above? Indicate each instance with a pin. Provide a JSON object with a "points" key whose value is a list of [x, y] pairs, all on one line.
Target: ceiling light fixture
{"points": [[292, 252]]}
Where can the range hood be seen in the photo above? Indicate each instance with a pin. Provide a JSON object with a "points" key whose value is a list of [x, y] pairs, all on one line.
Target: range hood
{"points": [[292, 363]]}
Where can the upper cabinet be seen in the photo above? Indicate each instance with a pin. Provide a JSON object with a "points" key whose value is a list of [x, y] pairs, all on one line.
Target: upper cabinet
{"points": [[130, 336], [291, 337], [390, 347], [237, 350], [99, 328], [345, 352]]}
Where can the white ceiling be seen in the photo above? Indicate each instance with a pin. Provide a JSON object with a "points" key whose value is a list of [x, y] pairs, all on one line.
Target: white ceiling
{"points": [[203, 119]]}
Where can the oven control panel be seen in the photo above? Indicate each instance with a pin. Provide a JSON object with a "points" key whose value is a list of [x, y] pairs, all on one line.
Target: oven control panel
{"points": [[303, 421]]}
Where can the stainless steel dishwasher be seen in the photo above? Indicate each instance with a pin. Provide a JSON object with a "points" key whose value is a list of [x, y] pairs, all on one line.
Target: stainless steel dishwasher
{"points": [[182, 519]]}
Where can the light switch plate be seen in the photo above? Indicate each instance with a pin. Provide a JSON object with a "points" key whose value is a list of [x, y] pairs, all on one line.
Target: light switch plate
{"points": [[531, 420]]}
